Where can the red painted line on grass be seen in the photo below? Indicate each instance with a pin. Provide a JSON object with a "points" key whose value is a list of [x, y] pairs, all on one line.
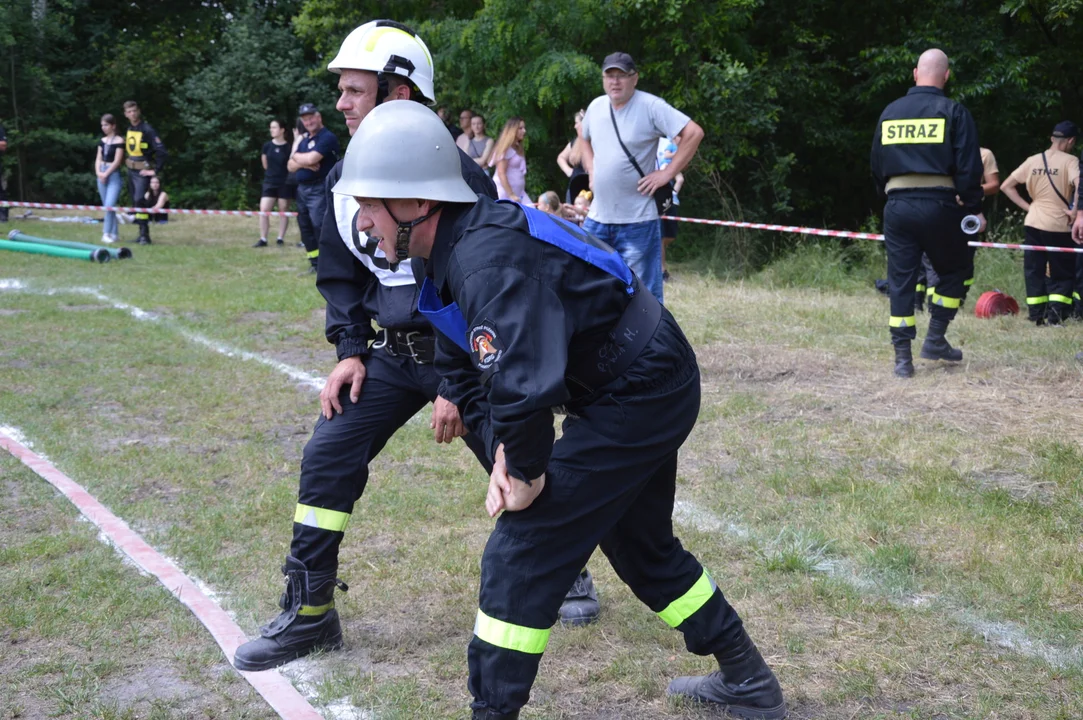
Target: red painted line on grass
{"points": [[275, 689]]}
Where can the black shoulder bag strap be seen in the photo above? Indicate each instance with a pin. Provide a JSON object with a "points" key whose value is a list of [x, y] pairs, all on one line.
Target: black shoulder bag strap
{"points": [[1051, 183], [663, 204]]}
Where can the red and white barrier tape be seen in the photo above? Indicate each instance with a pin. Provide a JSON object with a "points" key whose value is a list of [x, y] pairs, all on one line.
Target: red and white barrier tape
{"points": [[857, 235], [698, 221], [174, 211]]}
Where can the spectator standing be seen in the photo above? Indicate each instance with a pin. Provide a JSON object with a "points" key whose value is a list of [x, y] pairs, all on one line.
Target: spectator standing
{"points": [[570, 162], [478, 145], [3, 184], [145, 153], [667, 150], [312, 160], [509, 159], [1050, 178], [620, 137], [109, 156], [465, 116], [274, 158]]}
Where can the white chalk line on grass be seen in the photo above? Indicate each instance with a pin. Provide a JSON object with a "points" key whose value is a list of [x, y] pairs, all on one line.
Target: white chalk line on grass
{"points": [[300, 376], [313, 382], [1007, 635]]}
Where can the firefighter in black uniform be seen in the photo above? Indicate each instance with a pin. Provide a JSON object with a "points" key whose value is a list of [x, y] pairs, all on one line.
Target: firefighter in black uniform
{"points": [[141, 141], [925, 153], [533, 315], [381, 380]]}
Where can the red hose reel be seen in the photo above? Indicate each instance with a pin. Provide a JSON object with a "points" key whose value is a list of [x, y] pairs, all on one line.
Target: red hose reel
{"points": [[993, 303]]}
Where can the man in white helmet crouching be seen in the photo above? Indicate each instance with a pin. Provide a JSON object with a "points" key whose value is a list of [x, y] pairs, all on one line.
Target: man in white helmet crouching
{"points": [[382, 378]]}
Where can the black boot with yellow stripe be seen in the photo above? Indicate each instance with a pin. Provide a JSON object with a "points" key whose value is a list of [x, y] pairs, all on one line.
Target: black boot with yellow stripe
{"points": [[308, 621]]}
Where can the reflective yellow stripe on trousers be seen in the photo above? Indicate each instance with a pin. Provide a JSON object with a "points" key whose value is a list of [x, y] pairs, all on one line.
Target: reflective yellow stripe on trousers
{"points": [[686, 605], [947, 302], [321, 518], [1061, 299], [511, 637], [908, 321], [1037, 300]]}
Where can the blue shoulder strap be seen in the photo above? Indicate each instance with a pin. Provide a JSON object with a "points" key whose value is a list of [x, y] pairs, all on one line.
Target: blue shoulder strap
{"points": [[449, 321]]}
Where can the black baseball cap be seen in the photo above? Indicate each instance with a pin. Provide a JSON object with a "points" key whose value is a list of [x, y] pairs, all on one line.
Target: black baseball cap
{"points": [[1066, 129], [619, 60], [307, 109]]}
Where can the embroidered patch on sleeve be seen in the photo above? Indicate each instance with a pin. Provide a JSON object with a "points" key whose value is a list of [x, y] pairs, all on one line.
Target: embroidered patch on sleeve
{"points": [[485, 346]]}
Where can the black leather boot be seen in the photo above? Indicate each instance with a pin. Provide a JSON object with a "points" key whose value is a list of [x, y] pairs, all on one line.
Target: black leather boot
{"points": [[308, 621], [580, 606], [936, 347], [904, 361], [144, 233], [488, 714], [743, 685]]}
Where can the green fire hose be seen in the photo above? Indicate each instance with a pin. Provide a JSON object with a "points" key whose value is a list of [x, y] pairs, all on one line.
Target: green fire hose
{"points": [[99, 254], [115, 253]]}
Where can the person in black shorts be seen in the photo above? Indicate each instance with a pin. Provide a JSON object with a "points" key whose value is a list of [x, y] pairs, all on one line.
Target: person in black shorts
{"points": [[274, 156]]}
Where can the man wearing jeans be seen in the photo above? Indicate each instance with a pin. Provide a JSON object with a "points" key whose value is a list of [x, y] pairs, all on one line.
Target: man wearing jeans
{"points": [[623, 212], [314, 157]]}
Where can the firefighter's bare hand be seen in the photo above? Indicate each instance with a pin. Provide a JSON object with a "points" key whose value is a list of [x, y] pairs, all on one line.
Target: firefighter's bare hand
{"points": [[508, 493], [981, 217], [1077, 229], [349, 371], [446, 424]]}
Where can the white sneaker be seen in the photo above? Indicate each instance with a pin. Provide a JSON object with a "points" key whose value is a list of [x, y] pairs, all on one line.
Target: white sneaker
{"points": [[123, 218], [108, 238]]}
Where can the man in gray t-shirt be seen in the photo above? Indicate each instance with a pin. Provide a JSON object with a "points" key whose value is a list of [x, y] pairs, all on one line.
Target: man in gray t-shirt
{"points": [[623, 212]]}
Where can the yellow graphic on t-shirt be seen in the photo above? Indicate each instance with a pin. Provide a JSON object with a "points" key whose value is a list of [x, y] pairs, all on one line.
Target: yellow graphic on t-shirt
{"points": [[923, 131], [134, 142]]}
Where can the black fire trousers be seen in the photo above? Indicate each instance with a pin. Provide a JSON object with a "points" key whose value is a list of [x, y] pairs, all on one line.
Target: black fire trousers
{"points": [[334, 467], [916, 222], [1049, 298], [611, 481]]}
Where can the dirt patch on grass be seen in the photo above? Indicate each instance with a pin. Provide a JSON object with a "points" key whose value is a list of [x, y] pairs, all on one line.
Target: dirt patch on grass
{"points": [[984, 399]]}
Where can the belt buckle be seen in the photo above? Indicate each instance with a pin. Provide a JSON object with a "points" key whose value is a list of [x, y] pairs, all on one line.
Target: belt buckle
{"points": [[409, 337], [383, 344]]}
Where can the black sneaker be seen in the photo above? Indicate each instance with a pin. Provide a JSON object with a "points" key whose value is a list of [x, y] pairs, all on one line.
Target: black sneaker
{"points": [[280, 241], [261, 243]]}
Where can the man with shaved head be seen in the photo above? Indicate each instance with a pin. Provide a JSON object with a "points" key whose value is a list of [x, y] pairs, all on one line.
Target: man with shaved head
{"points": [[927, 164]]}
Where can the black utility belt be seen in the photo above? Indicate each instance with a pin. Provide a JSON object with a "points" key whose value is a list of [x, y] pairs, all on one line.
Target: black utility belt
{"points": [[418, 345], [596, 369]]}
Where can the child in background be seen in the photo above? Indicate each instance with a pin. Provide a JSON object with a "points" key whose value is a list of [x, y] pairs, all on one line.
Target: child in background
{"points": [[549, 202]]}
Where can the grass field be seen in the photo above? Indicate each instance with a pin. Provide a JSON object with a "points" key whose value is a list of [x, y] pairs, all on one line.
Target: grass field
{"points": [[897, 549]]}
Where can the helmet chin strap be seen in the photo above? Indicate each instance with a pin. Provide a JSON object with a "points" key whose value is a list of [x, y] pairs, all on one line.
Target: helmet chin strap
{"points": [[402, 236]]}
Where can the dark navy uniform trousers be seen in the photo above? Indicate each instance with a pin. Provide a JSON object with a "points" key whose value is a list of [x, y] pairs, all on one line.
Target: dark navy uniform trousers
{"points": [[610, 482], [334, 468], [929, 221]]}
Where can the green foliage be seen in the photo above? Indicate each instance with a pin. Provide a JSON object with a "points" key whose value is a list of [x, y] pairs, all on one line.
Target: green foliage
{"points": [[788, 99], [258, 75]]}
